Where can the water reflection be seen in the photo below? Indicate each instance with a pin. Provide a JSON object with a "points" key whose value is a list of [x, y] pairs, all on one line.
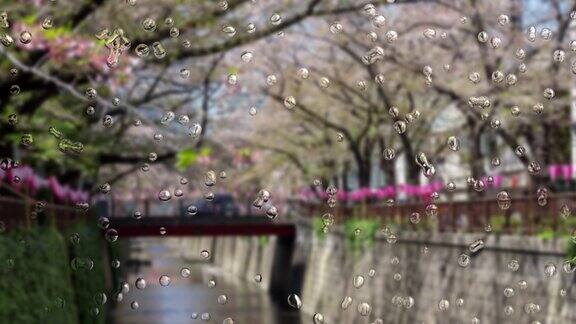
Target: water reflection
{"points": [[152, 258]]}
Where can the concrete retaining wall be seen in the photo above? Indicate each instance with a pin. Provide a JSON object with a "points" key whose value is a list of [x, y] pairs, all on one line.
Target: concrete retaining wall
{"points": [[427, 271]]}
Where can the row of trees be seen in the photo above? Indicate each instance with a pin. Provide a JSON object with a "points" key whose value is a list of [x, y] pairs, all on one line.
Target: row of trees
{"points": [[472, 62], [498, 76], [50, 77]]}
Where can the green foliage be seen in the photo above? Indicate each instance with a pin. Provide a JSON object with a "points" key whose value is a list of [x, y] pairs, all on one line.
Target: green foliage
{"points": [[56, 32], [233, 70], [29, 19], [35, 284], [360, 233], [570, 250], [244, 152], [546, 234], [318, 227], [88, 283], [186, 158], [263, 240]]}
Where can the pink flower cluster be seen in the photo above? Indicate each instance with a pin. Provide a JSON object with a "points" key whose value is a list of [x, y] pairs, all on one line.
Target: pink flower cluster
{"points": [[560, 170], [65, 49], [363, 194], [422, 191], [24, 177]]}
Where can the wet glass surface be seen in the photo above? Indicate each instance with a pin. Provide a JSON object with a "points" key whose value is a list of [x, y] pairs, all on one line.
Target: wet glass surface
{"points": [[176, 303]]}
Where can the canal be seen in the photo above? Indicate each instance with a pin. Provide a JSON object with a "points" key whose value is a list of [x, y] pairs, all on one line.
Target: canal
{"points": [[204, 294]]}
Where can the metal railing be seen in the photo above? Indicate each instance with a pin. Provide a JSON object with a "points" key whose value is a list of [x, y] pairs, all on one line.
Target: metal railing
{"points": [[525, 215], [16, 212]]}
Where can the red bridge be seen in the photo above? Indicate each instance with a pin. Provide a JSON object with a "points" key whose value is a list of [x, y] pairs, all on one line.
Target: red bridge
{"points": [[200, 225]]}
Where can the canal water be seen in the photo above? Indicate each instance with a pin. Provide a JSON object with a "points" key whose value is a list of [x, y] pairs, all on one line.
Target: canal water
{"points": [[190, 299]]}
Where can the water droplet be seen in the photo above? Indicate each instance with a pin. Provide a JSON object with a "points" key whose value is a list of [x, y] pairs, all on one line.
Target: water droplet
{"points": [[290, 102], [476, 246], [400, 126], [358, 281], [463, 260], [229, 31], [142, 50], [164, 281], [192, 210], [534, 168], [391, 36], [174, 32], [140, 283], [47, 23], [247, 56], [379, 21], [75, 238], [513, 265], [205, 254], [318, 318], [134, 305], [111, 235], [294, 301], [84, 264], [195, 130], [210, 178], [222, 299], [431, 210], [364, 309], [107, 121], [276, 19], [272, 212], [324, 82], [250, 28], [346, 302], [453, 143], [137, 215], [103, 222], [546, 33], [149, 24], [258, 278], [459, 302], [389, 154], [100, 299], [429, 33], [185, 272], [503, 20], [336, 28], [522, 284], [443, 305], [167, 118], [164, 195], [25, 37], [158, 50], [6, 40], [27, 139], [549, 270]]}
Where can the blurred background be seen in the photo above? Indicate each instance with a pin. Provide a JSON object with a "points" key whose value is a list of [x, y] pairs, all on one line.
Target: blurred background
{"points": [[321, 161]]}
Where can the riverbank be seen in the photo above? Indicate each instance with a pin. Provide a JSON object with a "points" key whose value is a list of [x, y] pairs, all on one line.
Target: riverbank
{"points": [[416, 277]]}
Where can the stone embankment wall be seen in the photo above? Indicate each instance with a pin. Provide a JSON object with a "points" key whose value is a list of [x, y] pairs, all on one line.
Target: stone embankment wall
{"points": [[418, 265]]}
